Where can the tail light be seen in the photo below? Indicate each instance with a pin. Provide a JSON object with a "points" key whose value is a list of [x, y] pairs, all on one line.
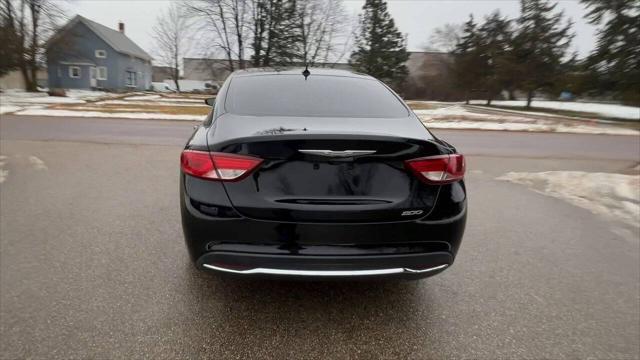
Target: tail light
{"points": [[440, 169], [217, 166]]}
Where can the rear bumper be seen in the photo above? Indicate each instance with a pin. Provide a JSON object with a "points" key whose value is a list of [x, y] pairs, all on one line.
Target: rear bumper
{"points": [[236, 245], [325, 267]]}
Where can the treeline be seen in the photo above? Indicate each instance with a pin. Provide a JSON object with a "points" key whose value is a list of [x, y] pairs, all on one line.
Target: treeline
{"points": [[529, 54], [270, 32]]}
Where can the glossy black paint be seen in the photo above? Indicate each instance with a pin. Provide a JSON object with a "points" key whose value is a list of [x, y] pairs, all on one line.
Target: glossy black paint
{"points": [[302, 211]]}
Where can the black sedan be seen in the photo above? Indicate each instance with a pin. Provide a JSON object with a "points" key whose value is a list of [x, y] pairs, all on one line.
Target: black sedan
{"points": [[326, 174]]}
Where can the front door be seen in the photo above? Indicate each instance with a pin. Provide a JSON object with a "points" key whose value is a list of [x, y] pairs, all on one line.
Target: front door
{"points": [[93, 82]]}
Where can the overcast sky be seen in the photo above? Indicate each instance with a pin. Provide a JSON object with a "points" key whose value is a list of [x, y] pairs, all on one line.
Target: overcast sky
{"points": [[416, 18]]}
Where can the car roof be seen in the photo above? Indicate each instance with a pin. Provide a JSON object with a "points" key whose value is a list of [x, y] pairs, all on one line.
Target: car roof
{"points": [[298, 71]]}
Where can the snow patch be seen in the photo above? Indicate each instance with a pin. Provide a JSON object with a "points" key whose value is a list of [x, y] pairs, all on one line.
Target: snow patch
{"points": [[454, 110], [88, 94], [4, 109], [607, 110], [37, 163], [507, 126], [616, 196]]}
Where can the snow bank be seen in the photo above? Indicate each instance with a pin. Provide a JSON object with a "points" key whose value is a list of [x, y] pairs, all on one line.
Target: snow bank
{"points": [[453, 110], [88, 94], [73, 97], [127, 115], [38, 99], [616, 196], [459, 117], [507, 126], [607, 110], [8, 108]]}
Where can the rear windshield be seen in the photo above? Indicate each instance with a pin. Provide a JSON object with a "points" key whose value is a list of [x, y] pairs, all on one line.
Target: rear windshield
{"points": [[320, 95]]}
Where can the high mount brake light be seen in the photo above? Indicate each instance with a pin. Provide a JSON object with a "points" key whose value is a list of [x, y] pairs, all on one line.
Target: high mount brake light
{"points": [[440, 169], [217, 166]]}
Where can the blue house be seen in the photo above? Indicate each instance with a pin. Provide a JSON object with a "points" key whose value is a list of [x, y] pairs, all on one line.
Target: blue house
{"points": [[87, 55]]}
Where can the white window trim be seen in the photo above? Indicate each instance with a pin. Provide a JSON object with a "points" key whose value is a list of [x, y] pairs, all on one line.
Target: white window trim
{"points": [[71, 72], [98, 73], [102, 52], [135, 79]]}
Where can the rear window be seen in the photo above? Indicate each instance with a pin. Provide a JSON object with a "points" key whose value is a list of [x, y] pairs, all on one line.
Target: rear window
{"points": [[320, 95]]}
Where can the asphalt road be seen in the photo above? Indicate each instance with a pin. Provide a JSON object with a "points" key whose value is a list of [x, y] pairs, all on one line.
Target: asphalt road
{"points": [[93, 265]]}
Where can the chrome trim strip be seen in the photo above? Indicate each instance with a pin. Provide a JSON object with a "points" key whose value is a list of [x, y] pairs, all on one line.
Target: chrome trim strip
{"points": [[337, 153], [291, 272]]}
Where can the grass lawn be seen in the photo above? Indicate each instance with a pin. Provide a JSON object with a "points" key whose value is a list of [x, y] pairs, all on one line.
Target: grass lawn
{"points": [[421, 105]]}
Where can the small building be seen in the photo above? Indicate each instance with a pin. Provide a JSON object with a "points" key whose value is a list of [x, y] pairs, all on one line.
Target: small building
{"points": [[14, 79], [160, 73], [87, 55]]}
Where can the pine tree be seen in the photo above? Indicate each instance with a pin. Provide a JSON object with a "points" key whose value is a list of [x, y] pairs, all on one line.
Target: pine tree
{"points": [[540, 46], [276, 37], [468, 65], [284, 34], [381, 49], [616, 58], [495, 42]]}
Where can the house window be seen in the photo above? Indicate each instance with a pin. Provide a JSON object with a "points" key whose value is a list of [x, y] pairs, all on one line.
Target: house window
{"points": [[102, 54], [102, 73], [74, 71], [131, 78]]}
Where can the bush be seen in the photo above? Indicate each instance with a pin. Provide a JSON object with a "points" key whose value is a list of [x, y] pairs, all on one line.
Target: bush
{"points": [[57, 92]]}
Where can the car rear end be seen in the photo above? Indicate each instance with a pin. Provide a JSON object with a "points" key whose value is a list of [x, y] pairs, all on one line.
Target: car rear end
{"points": [[329, 176]]}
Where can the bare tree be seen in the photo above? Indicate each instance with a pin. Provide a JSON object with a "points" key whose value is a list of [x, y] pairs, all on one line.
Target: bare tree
{"points": [[224, 24], [322, 25], [27, 23], [445, 38], [276, 32], [173, 36]]}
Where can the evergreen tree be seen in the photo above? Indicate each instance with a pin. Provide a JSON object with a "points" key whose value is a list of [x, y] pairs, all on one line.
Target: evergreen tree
{"points": [[276, 37], [540, 46], [494, 46], [616, 58], [469, 65], [284, 34], [381, 49]]}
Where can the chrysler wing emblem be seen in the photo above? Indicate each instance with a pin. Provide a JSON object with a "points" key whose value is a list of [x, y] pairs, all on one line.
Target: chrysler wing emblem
{"points": [[336, 153]]}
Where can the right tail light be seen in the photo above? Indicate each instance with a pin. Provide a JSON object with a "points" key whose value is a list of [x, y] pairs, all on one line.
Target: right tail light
{"points": [[439, 169]]}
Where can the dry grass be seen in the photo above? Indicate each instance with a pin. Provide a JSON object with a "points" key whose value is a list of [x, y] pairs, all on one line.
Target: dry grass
{"points": [[421, 105], [124, 108], [186, 96]]}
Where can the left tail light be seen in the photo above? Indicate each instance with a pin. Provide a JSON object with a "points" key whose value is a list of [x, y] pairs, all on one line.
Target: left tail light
{"points": [[217, 166], [440, 169]]}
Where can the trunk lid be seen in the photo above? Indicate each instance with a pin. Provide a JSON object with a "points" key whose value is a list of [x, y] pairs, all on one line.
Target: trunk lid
{"points": [[328, 169]]}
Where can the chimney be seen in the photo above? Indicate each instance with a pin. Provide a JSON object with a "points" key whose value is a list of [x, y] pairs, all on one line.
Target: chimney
{"points": [[121, 26]]}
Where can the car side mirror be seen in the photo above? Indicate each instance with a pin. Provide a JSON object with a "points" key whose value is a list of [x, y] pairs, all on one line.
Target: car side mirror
{"points": [[210, 101]]}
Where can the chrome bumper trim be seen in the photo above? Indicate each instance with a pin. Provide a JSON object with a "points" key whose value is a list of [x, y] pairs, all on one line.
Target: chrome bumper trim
{"points": [[291, 272]]}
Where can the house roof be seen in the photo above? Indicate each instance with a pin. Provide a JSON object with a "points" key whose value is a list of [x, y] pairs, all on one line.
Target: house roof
{"points": [[117, 40]]}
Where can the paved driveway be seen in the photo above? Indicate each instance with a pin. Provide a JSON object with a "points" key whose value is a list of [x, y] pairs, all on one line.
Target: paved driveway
{"points": [[93, 265]]}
